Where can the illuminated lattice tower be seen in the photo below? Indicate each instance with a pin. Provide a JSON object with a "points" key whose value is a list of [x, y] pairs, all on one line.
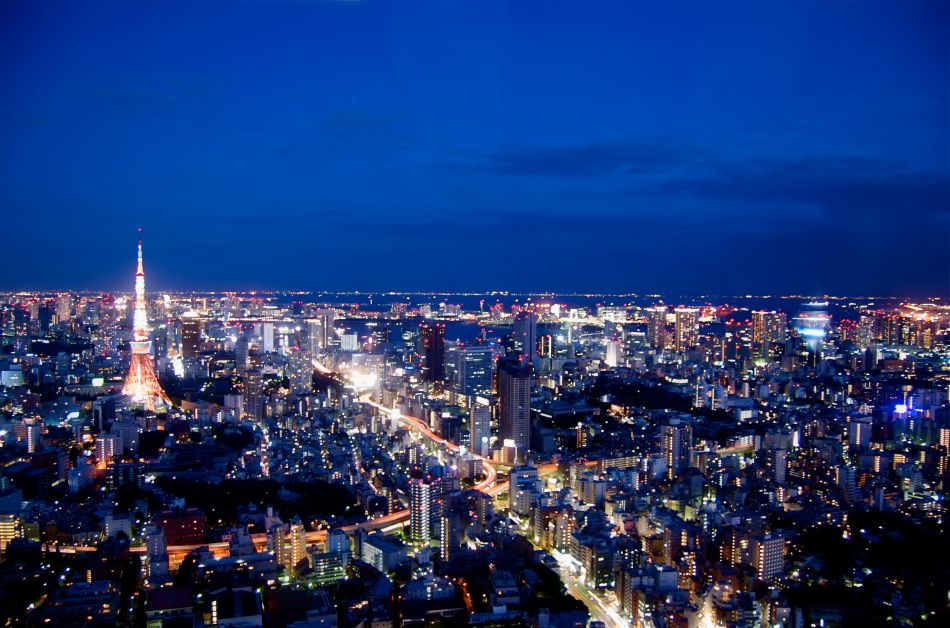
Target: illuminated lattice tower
{"points": [[141, 384]]}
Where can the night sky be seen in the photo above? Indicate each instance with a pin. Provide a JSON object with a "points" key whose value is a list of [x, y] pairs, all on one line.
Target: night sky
{"points": [[727, 148]]}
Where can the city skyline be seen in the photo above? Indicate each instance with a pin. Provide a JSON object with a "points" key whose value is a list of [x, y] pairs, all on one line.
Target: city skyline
{"points": [[629, 140], [386, 314]]}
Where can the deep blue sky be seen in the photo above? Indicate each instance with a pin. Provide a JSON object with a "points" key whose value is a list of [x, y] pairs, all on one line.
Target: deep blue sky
{"points": [[707, 148]]}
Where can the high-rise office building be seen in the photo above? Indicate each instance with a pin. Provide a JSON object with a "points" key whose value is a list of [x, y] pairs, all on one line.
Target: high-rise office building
{"points": [[514, 398], [321, 330], [241, 351], [253, 394], [479, 428], [106, 332], [432, 337], [473, 370], [525, 334], [44, 317], [300, 371], [190, 335], [350, 342], [420, 503], [546, 345], [614, 353], [265, 332], [64, 308], [687, 328]]}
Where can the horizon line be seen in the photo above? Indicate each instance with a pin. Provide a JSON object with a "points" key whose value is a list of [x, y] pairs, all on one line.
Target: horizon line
{"points": [[494, 292]]}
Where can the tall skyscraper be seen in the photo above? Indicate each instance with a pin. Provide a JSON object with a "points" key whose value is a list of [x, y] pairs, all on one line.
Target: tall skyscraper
{"points": [[687, 328], [433, 349], [300, 371], [350, 342], [479, 428], [473, 371], [106, 332], [525, 334], [420, 502], [253, 394], [546, 346], [321, 330], [614, 353], [241, 350], [514, 394], [64, 308], [265, 332], [190, 335], [141, 384], [656, 326]]}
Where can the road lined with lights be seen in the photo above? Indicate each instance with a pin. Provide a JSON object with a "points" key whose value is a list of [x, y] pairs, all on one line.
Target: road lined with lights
{"points": [[421, 427], [601, 610], [385, 523]]}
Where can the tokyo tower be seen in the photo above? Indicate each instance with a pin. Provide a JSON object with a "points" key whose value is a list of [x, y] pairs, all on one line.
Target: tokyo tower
{"points": [[141, 384]]}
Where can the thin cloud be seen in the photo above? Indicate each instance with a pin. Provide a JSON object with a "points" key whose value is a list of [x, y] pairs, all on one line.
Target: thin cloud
{"points": [[857, 187], [573, 161]]}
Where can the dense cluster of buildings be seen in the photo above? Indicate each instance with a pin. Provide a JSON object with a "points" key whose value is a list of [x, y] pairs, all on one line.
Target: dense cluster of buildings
{"points": [[323, 460]]}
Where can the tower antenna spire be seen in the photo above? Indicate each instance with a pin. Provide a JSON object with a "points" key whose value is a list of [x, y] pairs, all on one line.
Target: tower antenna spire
{"points": [[141, 267]]}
